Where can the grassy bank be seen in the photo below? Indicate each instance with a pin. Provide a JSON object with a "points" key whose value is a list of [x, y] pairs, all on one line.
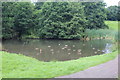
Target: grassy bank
{"points": [[113, 25], [19, 66], [0, 66], [111, 33]]}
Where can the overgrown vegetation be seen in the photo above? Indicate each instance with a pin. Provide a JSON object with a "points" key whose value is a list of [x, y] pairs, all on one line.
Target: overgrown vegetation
{"points": [[19, 66]]}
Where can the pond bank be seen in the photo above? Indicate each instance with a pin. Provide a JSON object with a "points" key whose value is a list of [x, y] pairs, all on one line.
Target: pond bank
{"points": [[19, 66]]}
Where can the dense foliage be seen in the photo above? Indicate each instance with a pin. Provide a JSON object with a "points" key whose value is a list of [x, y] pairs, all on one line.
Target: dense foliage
{"points": [[8, 20], [23, 18], [56, 20], [95, 15], [113, 13], [16, 19], [62, 20]]}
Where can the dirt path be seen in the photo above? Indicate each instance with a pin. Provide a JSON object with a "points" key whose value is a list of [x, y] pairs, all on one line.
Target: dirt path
{"points": [[105, 70]]}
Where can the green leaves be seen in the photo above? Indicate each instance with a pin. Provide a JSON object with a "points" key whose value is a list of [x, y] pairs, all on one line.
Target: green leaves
{"points": [[112, 13], [56, 20], [61, 20], [95, 15]]}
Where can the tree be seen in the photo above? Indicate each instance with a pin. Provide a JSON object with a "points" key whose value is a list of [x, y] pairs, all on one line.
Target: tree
{"points": [[61, 20], [38, 5], [118, 15], [112, 13], [8, 19], [95, 15], [24, 18]]}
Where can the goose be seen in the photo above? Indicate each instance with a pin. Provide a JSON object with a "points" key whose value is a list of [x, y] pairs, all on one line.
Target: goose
{"points": [[73, 45], [36, 48], [74, 50], [95, 52], [49, 46], [40, 50], [66, 45], [79, 50], [37, 53], [79, 53], [69, 53], [93, 48], [83, 44], [63, 48], [98, 50], [51, 50], [69, 49]]}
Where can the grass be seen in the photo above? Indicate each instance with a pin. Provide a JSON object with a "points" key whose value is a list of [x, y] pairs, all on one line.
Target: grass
{"points": [[0, 66], [20, 66], [113, 25], [111, 33]]}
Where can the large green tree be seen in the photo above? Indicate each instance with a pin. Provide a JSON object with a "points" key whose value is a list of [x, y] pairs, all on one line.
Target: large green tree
{"points": [[95, 15], [38, 5], [61, 20], [8, 12], [24, 18], [112, 13]]}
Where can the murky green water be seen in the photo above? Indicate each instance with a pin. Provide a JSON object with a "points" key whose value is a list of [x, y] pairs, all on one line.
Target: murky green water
{"points": [[57, 50]]}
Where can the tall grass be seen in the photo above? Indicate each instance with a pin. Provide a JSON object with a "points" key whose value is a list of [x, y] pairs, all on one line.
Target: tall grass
{"points": [[111, 33], [101, 34]]}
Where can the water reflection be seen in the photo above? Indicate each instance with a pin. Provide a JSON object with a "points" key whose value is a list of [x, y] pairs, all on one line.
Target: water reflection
{"points": [[53, 50]]}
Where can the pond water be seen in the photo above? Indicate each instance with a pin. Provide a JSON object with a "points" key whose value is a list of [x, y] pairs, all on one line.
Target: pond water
{"points": [[57, 50]]}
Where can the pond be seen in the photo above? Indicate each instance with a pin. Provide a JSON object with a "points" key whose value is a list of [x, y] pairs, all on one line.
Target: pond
{"points": [[57, 50]]}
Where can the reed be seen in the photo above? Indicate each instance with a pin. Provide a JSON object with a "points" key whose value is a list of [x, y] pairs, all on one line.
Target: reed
{"points": [[101, 34]]}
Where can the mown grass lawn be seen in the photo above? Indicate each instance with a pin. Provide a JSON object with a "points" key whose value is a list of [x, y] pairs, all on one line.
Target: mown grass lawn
{"points": [[20, 66], [113, 25]]}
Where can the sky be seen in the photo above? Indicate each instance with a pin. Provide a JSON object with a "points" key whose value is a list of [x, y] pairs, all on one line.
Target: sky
{"points": [[111, 2]]}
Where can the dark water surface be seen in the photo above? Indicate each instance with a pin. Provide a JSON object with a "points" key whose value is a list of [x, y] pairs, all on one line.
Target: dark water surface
{"points": [[57, 50]]}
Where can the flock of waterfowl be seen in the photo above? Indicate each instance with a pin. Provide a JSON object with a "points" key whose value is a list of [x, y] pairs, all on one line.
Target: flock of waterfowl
{"points": [[79, 51]]}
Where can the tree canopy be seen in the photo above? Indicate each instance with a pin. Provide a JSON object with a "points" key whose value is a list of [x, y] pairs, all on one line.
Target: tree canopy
{"points": [[56, 20], [62, 20], [113, 13]]}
